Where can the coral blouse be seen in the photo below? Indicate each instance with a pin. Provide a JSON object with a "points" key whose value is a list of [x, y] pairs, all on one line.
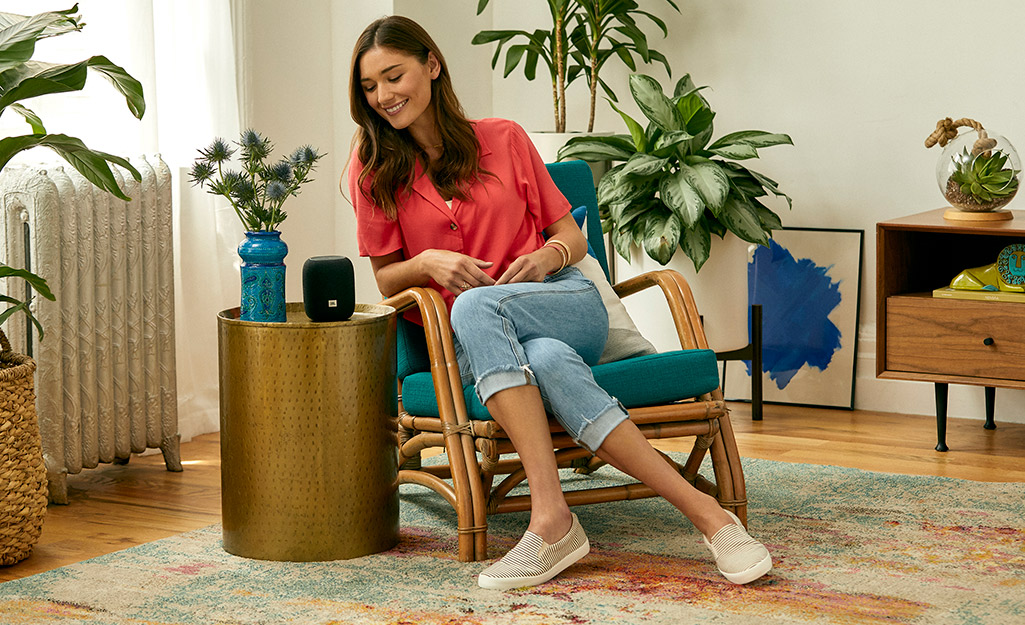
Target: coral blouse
{"points": [[502, 220]]}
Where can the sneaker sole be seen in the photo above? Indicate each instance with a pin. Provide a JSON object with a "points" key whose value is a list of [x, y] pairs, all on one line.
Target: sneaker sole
{"points": [[751, 574], [507, 583]]}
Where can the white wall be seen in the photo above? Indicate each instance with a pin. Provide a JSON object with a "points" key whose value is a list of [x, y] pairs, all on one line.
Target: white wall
{"points": [[858, 86]]}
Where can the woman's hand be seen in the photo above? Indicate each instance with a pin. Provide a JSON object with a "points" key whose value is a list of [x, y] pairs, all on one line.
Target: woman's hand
{"points": [[532, 267], [454, 271]]}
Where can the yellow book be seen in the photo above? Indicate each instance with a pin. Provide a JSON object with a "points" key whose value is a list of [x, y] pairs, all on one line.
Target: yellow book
{"points": [[989, 296]]}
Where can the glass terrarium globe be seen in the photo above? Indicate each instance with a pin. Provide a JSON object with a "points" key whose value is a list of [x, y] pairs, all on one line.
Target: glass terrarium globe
{"points": [[978, 176]]}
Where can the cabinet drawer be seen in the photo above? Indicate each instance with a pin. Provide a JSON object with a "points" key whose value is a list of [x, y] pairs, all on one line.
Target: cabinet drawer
{"points": [[949, 337]]}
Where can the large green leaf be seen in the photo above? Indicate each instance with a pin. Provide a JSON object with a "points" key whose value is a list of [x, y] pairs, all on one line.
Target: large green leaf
{"points": [[643, 165], [771, 185], [597, 148], [33, 120], [636, 130], [738, 151], [753, 138], [666, 143], [20, 306], [90, 163], [661, 236], [35, 79], [741, 217], [770, 220], [19, 33], [129, 87], [616, 188], [38, 283], [696, 243], [682, 198], [647, 92], [708, 179]]}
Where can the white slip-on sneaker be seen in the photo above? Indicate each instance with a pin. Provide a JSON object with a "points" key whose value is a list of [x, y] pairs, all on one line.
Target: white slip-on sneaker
{"points": [[533, 561], [740, 558]]}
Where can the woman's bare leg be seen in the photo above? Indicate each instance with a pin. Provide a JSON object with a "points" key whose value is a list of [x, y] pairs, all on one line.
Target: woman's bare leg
{"points": [[626, 449], [521, 413]]}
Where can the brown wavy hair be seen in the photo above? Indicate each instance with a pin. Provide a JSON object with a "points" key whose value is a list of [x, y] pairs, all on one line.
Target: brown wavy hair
{"points": [[389, 155]]}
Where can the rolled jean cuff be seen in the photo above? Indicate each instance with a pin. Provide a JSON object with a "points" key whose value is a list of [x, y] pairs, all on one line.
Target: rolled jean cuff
{"points": [[595, 432], [503, 378]]}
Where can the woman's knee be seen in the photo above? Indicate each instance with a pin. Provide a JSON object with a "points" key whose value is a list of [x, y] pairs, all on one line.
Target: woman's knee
{"points": [[548, 355], [467, 309]]}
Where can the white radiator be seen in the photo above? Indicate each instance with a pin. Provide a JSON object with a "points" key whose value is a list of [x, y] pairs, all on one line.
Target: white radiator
{"points": [[105, 382]]}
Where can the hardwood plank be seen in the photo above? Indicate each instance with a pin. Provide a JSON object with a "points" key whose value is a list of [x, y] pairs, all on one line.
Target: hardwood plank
{"points": [[115, 507]]}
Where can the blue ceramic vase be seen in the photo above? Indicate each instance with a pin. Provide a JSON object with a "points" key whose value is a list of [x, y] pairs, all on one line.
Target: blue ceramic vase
{"points": [[263, 276]]}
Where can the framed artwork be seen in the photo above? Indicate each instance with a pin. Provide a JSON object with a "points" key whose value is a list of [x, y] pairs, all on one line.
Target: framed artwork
{"points": [[808, 283]]}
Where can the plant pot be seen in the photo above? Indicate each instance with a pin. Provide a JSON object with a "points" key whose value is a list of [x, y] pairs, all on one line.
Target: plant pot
{"points": [[720, 291], [263, 276], [22, 472], [548, 144]]}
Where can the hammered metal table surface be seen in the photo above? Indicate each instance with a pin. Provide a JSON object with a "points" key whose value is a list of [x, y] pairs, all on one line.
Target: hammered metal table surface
{"points": [[308, 435]]}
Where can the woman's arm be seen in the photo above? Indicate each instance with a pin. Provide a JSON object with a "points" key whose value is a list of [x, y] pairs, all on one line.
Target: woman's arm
{"points": [[535, 266], [451, 270]]}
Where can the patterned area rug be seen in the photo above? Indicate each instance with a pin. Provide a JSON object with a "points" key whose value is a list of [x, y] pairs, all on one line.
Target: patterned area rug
{"points": [[849, 547]]}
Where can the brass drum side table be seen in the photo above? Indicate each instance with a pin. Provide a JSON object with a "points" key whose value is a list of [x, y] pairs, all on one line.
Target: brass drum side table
{"points": [[309, 469]]}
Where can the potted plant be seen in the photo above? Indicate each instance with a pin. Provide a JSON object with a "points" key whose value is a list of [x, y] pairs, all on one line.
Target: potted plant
{"points": [[21, 79], [584, 35], [257, 192], [675, 188]]}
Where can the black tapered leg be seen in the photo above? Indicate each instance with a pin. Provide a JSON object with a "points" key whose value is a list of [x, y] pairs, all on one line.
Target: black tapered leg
{"points": [[941, 416], [756, 362], [991, 400]]}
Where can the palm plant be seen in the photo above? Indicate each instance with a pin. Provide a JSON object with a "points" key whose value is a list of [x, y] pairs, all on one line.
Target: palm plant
{"points": [[21, 79], [675, 188], [601, 30]]}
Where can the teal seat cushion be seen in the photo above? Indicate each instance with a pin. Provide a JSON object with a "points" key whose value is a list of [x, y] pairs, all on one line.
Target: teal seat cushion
{"points": [[643, 381]]}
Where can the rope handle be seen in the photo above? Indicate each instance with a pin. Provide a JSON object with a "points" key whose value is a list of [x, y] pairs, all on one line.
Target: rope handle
{"points": [[946, 129], [4, 342]]}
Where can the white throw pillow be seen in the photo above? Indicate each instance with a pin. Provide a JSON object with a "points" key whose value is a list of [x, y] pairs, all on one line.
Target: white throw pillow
{"points": [[625, 341]]}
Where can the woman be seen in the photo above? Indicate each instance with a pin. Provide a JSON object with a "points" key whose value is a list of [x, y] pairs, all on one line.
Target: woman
{"points": [[465, 207]]}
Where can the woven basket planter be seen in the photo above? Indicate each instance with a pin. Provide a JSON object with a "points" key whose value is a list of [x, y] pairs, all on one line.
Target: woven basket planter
{"points": [[22, 472]]}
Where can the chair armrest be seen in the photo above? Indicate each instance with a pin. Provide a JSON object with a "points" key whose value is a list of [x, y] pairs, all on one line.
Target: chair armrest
{"points": [[679, 298], [448, 387]]}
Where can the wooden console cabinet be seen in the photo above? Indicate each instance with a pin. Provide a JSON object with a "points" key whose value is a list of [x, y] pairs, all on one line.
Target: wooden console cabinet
{"points": [[945, 341]]}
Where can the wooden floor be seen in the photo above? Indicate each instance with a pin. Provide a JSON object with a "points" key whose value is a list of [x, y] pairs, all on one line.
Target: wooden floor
{"points": [[115, 507]]}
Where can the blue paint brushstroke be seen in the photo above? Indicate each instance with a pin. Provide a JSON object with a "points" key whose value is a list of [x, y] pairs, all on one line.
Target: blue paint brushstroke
{"points": [[797, 297]]}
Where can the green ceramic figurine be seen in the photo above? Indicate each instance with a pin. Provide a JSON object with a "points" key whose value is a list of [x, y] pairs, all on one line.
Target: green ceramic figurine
{"points": [[1007, 274]]}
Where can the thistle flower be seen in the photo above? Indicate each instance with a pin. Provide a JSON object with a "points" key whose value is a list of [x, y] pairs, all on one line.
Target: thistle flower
{"points": [[244, 190], [201, 172], [305, 155], [281, 171], [218, 152], [254, 145], [276, 191]]}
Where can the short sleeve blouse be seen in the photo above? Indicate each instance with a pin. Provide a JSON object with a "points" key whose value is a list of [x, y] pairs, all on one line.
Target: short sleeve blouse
{"points": [[503, 218]]}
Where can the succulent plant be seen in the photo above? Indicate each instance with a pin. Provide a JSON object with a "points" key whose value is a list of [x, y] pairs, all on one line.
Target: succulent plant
{"points": [[983, 177]]}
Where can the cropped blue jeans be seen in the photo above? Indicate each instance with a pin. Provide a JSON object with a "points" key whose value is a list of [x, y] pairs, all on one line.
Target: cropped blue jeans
{"points": [[545, 334]]}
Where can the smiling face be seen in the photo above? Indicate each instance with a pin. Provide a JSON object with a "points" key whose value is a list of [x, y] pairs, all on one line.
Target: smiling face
{"points": [[398, 87]]}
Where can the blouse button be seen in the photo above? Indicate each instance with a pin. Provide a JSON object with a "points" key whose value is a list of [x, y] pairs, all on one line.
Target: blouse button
{"points": [[453, 226]]}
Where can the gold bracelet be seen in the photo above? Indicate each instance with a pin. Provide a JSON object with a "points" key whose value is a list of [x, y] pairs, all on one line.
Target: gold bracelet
{"points": [[563, 251]]}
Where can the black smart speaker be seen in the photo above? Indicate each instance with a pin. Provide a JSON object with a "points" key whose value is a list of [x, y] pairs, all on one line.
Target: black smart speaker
{"points": [[329, 291]]}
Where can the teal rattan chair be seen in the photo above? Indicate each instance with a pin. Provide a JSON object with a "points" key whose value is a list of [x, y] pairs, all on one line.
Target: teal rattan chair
{"points": [[668, 395]]}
